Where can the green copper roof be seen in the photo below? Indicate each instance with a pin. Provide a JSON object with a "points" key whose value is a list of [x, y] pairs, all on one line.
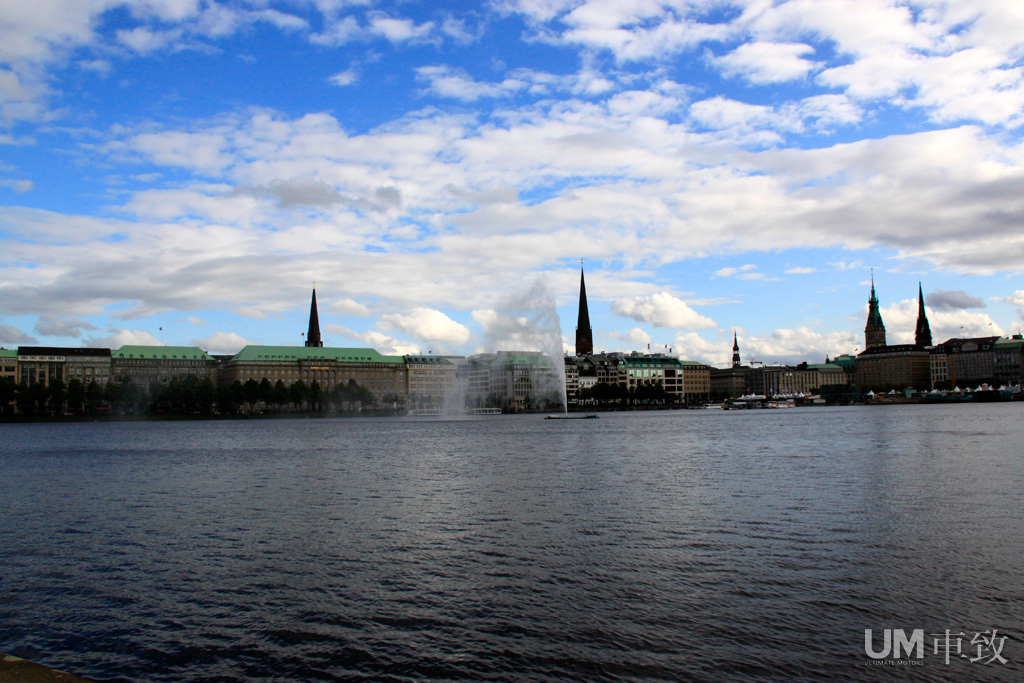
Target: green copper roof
{"points": [[296, 353], [825, 366], [8, 353], [162, 353]]}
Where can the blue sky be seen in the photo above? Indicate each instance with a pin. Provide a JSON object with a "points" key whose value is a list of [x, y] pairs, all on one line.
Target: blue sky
{"points": [[727, 165]]}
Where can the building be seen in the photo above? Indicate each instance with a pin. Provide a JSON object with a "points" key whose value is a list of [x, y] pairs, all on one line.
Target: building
{"points": [[696, 381], [313, 333], [884, 368], [383, 376], [729, 382], [1008, 364], [146, 365], [572, 378], [939, 366], [584, 333], [45, 364], [514, 381], [972, 361], [431, 381], [733, 381], [790, 380], [874, 330], [923, 333], [654, 370], [9, 364]]}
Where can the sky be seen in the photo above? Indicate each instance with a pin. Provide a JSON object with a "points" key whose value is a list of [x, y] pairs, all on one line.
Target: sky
{"points": [[185, 171]]}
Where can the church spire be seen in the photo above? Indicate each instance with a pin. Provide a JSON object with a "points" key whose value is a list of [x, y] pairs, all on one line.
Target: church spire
{"points": [[923, 335], [584, 334], [313, 335], [735, 350], [874, 331]]}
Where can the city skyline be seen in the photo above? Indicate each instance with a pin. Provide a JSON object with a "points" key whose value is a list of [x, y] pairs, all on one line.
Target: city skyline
{"points": [[183, 171]]}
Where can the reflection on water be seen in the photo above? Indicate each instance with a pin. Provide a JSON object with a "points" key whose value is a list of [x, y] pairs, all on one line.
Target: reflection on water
{"points": [[694, 545]]}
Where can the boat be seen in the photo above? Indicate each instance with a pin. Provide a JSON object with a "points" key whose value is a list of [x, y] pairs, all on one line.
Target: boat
{"points": [[588, 416]]}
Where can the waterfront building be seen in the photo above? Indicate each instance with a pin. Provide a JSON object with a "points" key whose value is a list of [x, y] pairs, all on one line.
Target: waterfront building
{"points": [[584, 333], [513, 381], [938, 363], [146, 365], [383, 376], [733, 381], [696, 381], [1008, 364], [654, 369], [608, 368], [874, 330], [572, 378], [729, 382], [9, 364], [774, 380], [848, 363], [923, 333], [45, 364], [971, 360], [432, 380], [884, 368]]}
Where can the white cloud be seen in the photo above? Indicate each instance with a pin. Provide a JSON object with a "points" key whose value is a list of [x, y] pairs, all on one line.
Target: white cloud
{"points": [[399, 30], [123, 337], [19, 186], [803, 270], [446, 81], [222, 343], [1017, 298], [764, 62], [635, 337], [193, 320], [145, 41], [346, 77], [349, 307], [12, 335], [662, 310], [429, 325], [55, 326], [386, 345]]}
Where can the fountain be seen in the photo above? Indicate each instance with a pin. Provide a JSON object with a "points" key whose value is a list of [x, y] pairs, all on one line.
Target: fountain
{"points": [[528, 322]]}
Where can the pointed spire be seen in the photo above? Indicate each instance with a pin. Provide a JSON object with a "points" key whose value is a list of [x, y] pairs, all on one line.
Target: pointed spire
{"points": [[313, 335], [923, 334], [874, 330], [735, 350], [584, 333]]}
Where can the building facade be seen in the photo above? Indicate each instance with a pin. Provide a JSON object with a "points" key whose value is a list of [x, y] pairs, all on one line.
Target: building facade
{"points": [[146, 365], [432, 381], [383, 376], [1008, 364], [899, 367], [46, 364]]}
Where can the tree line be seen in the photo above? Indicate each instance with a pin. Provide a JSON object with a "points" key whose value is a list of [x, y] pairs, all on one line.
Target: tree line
{"points": [[186, 396]]}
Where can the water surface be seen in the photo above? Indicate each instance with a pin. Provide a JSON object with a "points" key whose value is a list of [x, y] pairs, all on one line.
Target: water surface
{"points": [[668, 546]]}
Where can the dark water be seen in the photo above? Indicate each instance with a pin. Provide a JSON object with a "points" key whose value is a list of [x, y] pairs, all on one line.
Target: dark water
{"points": [[698, 545]]}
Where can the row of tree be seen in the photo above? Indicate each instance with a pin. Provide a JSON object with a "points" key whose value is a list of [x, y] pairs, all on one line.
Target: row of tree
{"points": [[611, 394], [188, 396]]}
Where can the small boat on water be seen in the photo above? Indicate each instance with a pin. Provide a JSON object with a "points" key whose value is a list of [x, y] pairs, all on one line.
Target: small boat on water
{"points": [[588, 416]]}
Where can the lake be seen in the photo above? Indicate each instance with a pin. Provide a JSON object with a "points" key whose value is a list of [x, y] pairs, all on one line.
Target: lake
{"points": [[650, 546]]}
